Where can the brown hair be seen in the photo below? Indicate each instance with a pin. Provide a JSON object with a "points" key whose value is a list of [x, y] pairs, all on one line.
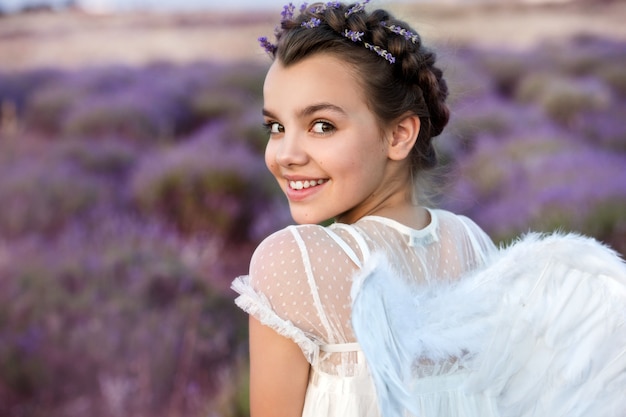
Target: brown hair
{"points": [[412, 84]]}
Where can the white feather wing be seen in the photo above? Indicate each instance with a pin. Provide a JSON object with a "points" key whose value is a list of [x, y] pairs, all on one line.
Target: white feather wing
{"points": [[542, 329]]}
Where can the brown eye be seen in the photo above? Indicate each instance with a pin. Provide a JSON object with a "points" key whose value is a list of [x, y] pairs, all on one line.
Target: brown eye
{"points": [[322, 128], [274, 127]]}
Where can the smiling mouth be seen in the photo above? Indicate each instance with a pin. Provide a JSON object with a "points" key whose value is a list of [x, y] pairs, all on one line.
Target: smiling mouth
{"points": [[300, 185]]}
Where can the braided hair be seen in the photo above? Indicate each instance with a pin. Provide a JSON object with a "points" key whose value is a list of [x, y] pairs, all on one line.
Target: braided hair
{"points": [[400, 78]]}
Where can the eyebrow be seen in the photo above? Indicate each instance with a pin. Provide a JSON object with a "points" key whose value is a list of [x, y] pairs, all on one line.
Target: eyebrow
{"points": [[314, 108]]}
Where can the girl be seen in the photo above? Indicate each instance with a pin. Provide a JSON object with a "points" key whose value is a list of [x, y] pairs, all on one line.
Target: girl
{"points": [[352, 103]]}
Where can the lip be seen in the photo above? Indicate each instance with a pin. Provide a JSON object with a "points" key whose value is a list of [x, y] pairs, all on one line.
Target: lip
{"points": [[300, 195]]}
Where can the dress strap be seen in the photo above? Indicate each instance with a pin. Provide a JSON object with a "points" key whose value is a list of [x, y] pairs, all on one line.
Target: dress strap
{"points": [[365, 251], [344, 246], [340, 347], [308, 269]]}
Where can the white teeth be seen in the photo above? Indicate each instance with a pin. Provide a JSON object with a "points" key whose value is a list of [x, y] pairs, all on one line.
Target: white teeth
{"points": [[299, 185]]}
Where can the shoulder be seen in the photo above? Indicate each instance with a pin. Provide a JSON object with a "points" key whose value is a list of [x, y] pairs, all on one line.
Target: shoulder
{"points": [[448, 218], [295, 251], [289, 240], [458, 225], [464, 232]]}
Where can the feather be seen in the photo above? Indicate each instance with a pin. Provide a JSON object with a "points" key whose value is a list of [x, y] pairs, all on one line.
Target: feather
{"points": [[540, 330]]}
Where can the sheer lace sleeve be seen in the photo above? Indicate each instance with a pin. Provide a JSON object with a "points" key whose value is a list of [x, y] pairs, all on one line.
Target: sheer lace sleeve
{"points": [[478, 240], [298, 285]]}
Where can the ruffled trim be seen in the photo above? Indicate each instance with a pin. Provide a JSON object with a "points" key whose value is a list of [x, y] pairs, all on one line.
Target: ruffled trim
{"points": [[259, 307]]}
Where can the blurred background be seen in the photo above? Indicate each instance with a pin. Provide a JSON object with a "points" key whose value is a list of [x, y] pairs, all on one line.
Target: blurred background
{"points": [[133, 189]]}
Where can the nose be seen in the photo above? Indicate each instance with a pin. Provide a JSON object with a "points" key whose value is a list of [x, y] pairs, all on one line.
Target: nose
{"points": [[290, 151]]}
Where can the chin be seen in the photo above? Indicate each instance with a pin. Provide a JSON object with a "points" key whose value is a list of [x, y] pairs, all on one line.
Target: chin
{"points": [[298, 220], [306, 218]]}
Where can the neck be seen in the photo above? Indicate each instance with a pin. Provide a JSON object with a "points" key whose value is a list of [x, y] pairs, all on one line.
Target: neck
{"points": [[393, 202]]}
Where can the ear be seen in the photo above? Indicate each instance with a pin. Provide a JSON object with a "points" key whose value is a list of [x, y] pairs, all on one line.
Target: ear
{"points": [[403, 136]]}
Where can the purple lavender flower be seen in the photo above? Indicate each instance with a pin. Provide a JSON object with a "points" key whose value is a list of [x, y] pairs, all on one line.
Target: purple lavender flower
{"points": [[533, 181], [287, 13], [359, 7], [318, 9], [354, 36], [381, 52], [313, 23], [603, 128], [40, 195], [409, 36], [322, 7], [269, 47]]}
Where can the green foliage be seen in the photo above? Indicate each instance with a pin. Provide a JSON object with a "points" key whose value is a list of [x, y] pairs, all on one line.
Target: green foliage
{"points": [[247, 79], [112, 158], [204, 186], [115, 119], [564, 98], [48, 107], [214, 104], [505, 70], [613, 74], [608, 224]]}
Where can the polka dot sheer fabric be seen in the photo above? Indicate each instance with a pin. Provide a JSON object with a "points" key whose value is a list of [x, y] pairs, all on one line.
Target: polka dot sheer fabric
{"points": [[301, 276]]}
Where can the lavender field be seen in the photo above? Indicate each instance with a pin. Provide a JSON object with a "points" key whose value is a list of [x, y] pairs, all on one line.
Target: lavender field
{"points": [[131, 195]]}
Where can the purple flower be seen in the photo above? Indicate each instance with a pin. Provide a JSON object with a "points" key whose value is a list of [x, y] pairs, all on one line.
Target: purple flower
{"points": [[313, 23], [381, 52], [353, 35], [359, 7], [269, 47], [287, 13], [540, 182], [409, 36]]}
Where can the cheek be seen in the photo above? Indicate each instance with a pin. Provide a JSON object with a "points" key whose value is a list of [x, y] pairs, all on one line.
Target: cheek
{"points": [[370, 156], [270, 157]]}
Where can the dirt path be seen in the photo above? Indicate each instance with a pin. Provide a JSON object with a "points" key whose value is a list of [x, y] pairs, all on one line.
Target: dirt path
{"points": [[75, 39]]}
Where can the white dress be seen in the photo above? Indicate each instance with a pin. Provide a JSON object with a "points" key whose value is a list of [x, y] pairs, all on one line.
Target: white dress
{"points": [[447, 325]]}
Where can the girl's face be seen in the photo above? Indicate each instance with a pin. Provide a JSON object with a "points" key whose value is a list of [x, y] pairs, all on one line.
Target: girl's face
{"points": [[326, 148]]}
